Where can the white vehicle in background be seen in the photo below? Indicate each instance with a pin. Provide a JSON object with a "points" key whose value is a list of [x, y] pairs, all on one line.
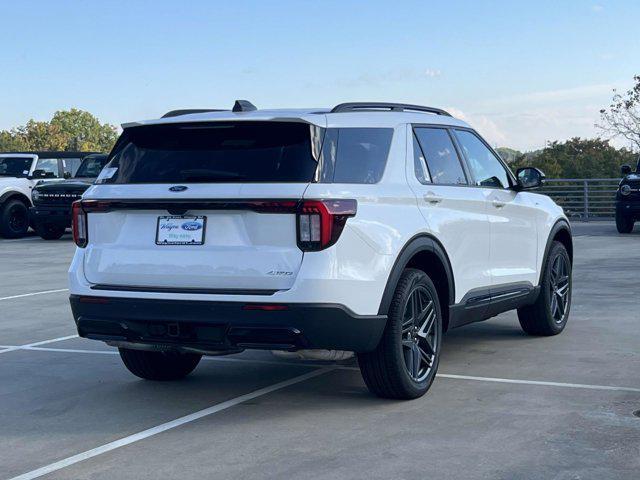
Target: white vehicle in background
{"points": [[19, 173], [370, 228]]}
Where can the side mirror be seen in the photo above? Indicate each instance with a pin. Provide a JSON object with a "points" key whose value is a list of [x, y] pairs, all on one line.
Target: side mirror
{"points": [[530, 177], [625, 170], [38, 174], [67, 175]]}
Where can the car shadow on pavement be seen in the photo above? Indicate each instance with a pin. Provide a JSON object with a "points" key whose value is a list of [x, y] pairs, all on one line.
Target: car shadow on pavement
{"points": [[486, 330]]}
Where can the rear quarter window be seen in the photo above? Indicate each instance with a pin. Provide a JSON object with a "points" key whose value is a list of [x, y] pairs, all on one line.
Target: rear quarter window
{"points": [[355, 155]]}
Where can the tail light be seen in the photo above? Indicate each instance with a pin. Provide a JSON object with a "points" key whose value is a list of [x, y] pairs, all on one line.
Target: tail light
{"points": [[320, 222], [79, 224], [79, 210]]}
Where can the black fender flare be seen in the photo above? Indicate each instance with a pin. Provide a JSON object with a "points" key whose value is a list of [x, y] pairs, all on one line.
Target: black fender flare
{"points": [[418, 243], [15, 193], [561, 224]]}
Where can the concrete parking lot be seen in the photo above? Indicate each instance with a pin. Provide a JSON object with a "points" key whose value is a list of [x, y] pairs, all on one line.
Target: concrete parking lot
{"points": [[505, 405]]}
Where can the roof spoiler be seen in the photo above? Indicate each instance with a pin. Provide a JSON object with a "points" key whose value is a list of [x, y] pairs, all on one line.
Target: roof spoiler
{"points": [[238, 106], [177, 113]]}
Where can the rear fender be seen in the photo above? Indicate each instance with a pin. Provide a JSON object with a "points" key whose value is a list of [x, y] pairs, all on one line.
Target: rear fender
{"points": [[419, 243]]}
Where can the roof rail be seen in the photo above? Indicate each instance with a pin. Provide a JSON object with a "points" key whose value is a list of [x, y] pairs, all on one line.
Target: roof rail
{"points": [[177, 113], [393, 107]]}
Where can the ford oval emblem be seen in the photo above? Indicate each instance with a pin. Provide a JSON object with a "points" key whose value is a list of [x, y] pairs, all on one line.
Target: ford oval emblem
{"points": [[191, 226], [178, 188]]}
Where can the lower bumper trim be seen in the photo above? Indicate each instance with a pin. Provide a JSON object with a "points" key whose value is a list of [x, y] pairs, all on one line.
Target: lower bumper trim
{"points": [[225, 325]]}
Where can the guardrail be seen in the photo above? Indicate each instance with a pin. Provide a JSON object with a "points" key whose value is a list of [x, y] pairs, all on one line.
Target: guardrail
{"points": [[583, 198]]}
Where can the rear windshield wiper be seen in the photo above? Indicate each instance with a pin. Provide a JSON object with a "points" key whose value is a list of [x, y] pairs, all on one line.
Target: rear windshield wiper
{"points": [[197, 175]]}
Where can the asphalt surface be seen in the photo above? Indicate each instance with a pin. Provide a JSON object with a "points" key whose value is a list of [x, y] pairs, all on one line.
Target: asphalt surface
{"points": [[505, 405]]}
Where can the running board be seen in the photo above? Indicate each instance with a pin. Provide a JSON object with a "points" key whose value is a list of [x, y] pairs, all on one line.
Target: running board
{"points": [[485, 303]]}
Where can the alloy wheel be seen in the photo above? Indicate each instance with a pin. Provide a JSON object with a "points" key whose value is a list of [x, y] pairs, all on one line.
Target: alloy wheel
{"points": [[17, 219], [559, 286], [419, 333]]}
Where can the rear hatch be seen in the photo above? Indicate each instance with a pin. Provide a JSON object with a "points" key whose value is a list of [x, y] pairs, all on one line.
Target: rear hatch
{"points": [[201, 207]]}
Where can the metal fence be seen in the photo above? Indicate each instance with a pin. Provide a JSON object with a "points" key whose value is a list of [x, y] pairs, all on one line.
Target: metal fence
{"points": [[583, 198]]}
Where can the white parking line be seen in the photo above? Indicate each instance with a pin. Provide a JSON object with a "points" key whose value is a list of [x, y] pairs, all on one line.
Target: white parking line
{"points": [[35, 293], [70, 350], [19, 239], [346, 367], [541, 383], [35, 344], [136, 437]]}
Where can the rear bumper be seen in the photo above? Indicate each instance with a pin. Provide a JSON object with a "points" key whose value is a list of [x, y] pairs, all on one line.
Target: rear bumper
{"points": [[56, 215], [225, 325]]}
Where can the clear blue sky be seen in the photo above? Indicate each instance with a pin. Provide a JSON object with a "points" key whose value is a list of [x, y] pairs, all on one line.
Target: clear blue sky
{"points": [[522, 73]]}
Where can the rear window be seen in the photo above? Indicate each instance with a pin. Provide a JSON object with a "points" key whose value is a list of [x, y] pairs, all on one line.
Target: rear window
{"points": [[269, 152], [355, 155]]}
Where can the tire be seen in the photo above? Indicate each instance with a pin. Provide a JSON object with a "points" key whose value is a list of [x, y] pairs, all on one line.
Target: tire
{"points": [[550, 312], [160, 366], [624, 224], [387, 371], [14, 219], [49, 231]]}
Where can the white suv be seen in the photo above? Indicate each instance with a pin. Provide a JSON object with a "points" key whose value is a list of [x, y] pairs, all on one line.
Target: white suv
{"points": [[19, 173], [370, 228]]}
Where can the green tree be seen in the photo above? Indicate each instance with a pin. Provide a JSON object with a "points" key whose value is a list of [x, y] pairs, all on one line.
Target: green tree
{"points": [[578, 158], [12, 143], [508, 154], [69, 130], [622, 117]]}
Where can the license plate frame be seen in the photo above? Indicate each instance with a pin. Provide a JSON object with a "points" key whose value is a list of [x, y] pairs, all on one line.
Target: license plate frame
{"points": [[183, 236]]}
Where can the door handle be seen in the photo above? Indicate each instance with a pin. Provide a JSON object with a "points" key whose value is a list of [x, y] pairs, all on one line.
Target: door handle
{"points": [[498, 204], [432, 198]]}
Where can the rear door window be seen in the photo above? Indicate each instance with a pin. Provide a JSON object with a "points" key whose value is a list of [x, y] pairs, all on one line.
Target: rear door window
{"points": [[240, 152], [419, 163], [355, 155], [442, 159]]}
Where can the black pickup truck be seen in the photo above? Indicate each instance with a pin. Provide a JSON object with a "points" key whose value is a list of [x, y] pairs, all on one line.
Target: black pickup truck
{"points": [[628, 199], [51, 213]]}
